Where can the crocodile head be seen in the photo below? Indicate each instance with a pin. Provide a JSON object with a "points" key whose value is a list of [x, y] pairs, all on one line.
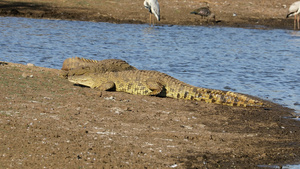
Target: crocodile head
{"points": [[83, 80]]}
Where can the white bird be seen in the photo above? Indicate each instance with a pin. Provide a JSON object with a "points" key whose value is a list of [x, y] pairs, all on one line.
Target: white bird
{"points": [[153, 7], [294, 10]]}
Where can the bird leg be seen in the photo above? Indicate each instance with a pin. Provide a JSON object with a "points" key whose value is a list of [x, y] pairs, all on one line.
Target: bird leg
{"points": [[150, 19], [294, 22]]}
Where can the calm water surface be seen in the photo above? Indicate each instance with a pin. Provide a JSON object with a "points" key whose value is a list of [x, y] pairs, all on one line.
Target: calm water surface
{"points": [[263, 63]]}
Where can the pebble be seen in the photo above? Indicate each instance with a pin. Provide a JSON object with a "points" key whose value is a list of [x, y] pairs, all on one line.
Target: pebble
{"points": [[30, 64], [25, 75]]}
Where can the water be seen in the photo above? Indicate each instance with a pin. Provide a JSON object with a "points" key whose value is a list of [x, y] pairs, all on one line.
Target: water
{"points": [[263, 63]]}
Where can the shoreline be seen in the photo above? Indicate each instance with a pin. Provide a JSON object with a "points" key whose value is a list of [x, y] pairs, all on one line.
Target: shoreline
{"points": [[233, 17]]}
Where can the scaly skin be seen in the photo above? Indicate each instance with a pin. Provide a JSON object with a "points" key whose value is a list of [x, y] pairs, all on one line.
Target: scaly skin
{"points": [[79, 66], [143, 82], [72, 63]]}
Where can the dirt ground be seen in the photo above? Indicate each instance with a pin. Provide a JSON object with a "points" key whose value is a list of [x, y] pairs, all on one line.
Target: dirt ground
{"points": [[260, 14], [47, 122]]}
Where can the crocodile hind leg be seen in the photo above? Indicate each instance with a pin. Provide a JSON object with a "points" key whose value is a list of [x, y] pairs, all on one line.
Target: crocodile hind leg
{"points": [[107, 86], [155, 87]]}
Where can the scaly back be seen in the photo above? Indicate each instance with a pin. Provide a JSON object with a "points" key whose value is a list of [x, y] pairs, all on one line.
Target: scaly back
{"points": [[75, 62]]}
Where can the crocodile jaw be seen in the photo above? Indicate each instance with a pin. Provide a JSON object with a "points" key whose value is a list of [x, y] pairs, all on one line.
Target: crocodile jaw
{"points": [[82, 80]]}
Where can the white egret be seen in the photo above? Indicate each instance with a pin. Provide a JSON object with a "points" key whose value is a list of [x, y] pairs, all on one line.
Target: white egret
{"points": [[153, 7], [294, 10]]}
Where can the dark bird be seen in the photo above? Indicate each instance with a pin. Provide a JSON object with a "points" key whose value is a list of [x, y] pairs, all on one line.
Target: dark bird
{"points": [[204, 12]]}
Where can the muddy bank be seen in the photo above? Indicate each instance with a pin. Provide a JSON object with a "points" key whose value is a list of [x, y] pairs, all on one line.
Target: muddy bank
{"points": [[46, 121], [232, 13]]}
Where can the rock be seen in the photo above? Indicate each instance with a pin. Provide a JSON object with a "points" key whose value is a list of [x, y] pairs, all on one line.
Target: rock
{"points": [[30, 64], [26, 75]]}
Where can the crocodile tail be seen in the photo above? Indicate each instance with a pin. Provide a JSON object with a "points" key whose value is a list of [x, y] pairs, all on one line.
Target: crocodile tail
{"points": [[222, 97], [236, 99], [74, 62]]}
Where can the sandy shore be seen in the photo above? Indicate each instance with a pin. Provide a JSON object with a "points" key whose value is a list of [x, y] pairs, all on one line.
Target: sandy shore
{"points": [[47, 122], [258, 14]]}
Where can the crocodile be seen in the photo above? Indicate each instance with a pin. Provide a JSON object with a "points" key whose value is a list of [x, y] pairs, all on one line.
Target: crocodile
{"points": [[154, 83], [80, 66]]}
